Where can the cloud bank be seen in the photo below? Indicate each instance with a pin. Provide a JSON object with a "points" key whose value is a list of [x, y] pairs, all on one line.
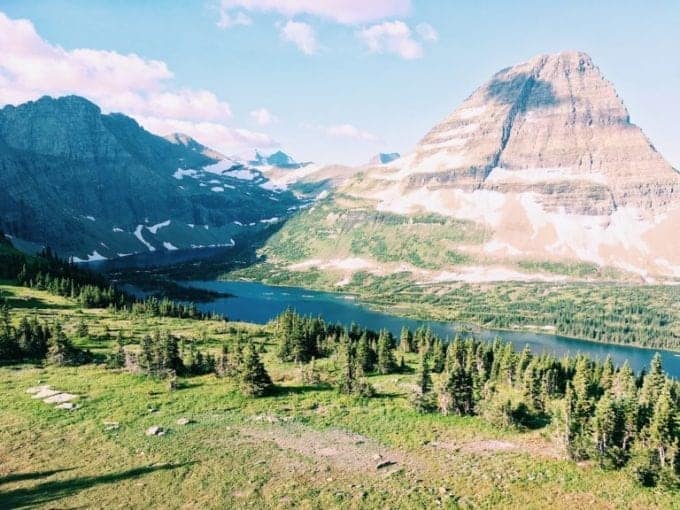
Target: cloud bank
{"points": [[31, 67]]}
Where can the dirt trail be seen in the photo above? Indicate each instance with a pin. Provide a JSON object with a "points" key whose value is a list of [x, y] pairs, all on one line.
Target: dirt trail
{"points": [[342, 449]]}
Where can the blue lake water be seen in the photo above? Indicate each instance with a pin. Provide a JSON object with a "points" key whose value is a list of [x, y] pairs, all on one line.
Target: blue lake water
{"points": [[258, 303]]}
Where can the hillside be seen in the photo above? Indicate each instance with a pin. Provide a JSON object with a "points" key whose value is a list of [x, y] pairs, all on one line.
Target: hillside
{"points": [[538, 175], [96, 186], [304, 444]]}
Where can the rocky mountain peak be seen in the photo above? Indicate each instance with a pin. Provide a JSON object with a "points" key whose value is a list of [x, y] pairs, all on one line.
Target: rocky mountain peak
{"points": [[545, 154]]}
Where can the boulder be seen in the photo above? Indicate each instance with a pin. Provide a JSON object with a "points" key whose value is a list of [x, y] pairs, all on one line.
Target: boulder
{"points": [[155, 430]]}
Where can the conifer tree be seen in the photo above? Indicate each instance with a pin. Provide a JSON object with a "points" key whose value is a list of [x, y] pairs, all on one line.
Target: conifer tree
{"points": [[254, 379], [386, 361], [607, 429], [406, 340], [116, 359], [364, 355], [423, 400], [531, 381], [662, 427]]}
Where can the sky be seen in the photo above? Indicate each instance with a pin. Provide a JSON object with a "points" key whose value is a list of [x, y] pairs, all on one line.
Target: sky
{"points": [[331, 81]]}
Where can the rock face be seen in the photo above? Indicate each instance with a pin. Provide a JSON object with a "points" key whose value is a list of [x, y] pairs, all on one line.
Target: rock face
{"points": [[545, 156], [557, 123], [99, 186]]}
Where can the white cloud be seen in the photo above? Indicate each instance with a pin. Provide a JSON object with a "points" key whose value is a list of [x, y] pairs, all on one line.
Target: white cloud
{"points": [[31, 67], [217, 136], [301, 34], [350, 131], [391, 37], [427, 32], [340, 11], [228, 20], [263, 117]]}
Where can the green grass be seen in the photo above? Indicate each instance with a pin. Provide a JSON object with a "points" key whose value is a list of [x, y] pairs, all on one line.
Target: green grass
{"points": [[326, 230], [229, 457]]}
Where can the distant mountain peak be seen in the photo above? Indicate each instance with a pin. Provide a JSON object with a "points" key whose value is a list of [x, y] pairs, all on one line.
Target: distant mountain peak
{"points": [[384, 158]]}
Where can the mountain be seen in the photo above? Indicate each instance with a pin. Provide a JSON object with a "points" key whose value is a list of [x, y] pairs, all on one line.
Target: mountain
{"points": [[539, 174], [96, 186], [277, 159], [383, 158]]}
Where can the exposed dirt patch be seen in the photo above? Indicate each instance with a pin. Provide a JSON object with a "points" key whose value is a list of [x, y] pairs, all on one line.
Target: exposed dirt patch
{"points": [[532, 446], [342, 449]]}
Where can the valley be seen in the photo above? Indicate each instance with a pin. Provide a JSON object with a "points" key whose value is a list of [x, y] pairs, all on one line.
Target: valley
{"points": [[191, 317]]}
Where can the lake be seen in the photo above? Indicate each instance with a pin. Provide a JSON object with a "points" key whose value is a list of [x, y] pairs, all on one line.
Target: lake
{"points": [[258, 303]]}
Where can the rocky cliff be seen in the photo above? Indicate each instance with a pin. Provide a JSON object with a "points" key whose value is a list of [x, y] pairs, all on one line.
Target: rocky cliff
{"points": [[545, 159]]}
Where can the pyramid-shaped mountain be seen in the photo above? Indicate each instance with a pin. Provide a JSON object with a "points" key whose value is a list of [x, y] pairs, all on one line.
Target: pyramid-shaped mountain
{"points": [[544, 160]]}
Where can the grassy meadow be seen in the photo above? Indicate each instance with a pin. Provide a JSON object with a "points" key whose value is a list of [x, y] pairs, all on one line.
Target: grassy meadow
{"points": [[302, 447]]}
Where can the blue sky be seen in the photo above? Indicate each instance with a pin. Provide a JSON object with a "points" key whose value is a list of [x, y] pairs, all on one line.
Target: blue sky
{"points": [[340, 80]]}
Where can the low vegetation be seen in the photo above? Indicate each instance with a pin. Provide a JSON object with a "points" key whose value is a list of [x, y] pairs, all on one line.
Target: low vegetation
{"points": [[303, 413]]}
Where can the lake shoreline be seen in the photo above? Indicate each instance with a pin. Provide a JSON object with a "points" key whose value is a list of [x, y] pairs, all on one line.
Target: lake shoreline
{"points": [[396, 310], [257, 302]]}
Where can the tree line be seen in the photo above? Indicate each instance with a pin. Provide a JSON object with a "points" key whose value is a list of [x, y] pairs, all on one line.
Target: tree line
{"points": [[33, 340], [46, 271]]}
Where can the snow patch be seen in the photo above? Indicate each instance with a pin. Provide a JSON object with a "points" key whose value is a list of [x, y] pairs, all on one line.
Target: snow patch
{"points": [[275, 219], [217, 189], [180, 173], [116, 229], [154, 228], [534, 175], [169, 246], [93, 257], [138, 235], [243, 174]]}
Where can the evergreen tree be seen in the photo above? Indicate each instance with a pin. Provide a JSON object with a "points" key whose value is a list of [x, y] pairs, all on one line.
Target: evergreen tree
{"points": [[661, 433], [423, 399], [364, 355], [607, 429], [386, 362], [406, 340], [254, 379], [532, 390], [116, 358]]}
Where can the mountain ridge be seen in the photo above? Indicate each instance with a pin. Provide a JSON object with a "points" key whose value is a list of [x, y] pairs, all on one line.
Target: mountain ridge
{"points": [[93, 185]]}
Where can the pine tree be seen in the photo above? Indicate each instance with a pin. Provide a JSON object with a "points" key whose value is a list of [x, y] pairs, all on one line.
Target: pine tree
{"points": [[662, 426], [364, 355], [406, 340], [651, 388], [531, 382], [386, 361], [254, 379], [423, 399], [82, 330], [424, 381], [60, 351], [346, 378], [456, 392], [606, 429], [438, 356], [116, 359], [607, 376]]}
